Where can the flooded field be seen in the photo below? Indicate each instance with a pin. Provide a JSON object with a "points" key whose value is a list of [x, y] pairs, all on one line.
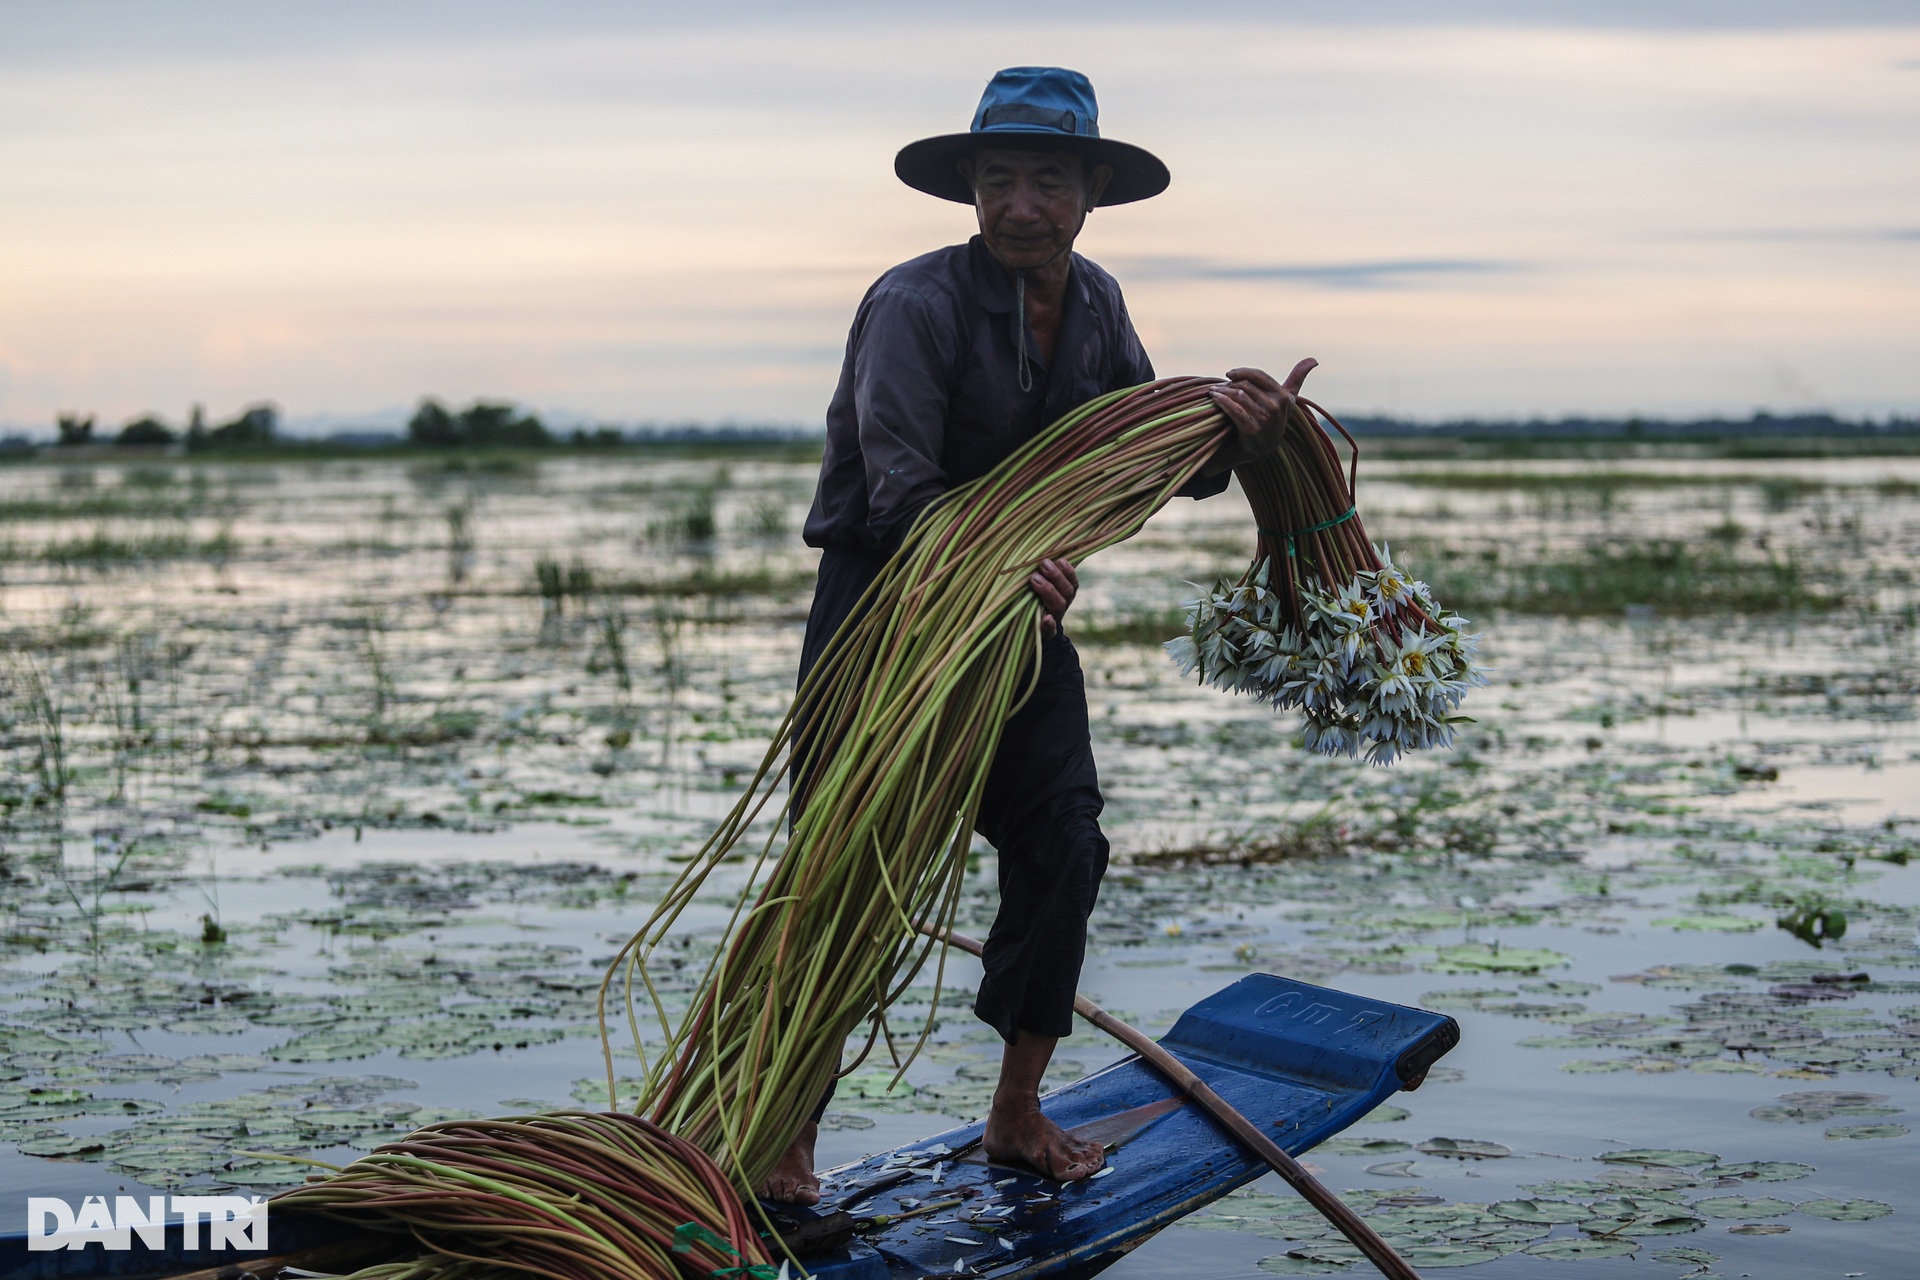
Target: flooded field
{"points": [[328, 789]]}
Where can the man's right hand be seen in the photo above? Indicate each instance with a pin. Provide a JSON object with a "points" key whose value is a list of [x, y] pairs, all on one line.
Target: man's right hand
{"points": [[1257, 406]]}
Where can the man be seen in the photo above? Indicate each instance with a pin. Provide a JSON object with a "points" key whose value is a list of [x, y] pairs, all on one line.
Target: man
{"points": [[955, 359]]}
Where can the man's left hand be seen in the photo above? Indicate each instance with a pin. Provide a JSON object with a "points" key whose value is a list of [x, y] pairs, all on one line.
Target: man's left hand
{"points": [[1056, 583], [1256, 403]]}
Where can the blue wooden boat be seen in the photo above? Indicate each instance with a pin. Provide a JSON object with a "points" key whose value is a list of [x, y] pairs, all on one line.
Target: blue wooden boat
{"points": [[1300, 1061]]}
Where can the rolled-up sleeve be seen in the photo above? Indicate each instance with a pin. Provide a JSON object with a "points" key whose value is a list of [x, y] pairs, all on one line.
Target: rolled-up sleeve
{"points": [[901, 394]]}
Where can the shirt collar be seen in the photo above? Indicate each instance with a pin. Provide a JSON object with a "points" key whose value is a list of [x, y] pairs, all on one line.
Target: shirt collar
{"points": [[993, 283]]}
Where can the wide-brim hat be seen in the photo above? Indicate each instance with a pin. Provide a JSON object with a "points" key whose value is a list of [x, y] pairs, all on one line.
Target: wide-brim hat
{"points": [[1032, 109]]}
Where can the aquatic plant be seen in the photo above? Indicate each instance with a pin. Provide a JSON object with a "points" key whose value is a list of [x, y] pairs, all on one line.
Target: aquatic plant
{"points": [[692, 520], [103, 545], [47, 721], [610, 654], [575, 1195], [1610, 576], [555, 583], [766, 518], [258, 701], [1324, 622]]}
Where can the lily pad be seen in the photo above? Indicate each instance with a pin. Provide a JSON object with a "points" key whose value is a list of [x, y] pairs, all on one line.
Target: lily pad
{"points": [[1384, 1114], [1392, 1169], [1439, 1257], [1686, 1255], [440, 1115], [62, 1145], [1577, 1249], [1816, 1114], [1864, 1132], [264, 1173], [1759, 1229], [1463, 997], [1709, 923], [224, 1062], [1464, 1149], [1643, 1220], [1672, 1159], [1832, 1098], [1742, 1207], [1551, 1211], [227, 1025], [1483, 957], [874, 1083], [1845, 1210], [1362, 1146], [1763, 1170], [1281, 1264]]}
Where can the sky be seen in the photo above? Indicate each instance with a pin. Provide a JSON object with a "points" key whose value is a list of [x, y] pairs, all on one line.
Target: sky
{"points": [[625, 212]]}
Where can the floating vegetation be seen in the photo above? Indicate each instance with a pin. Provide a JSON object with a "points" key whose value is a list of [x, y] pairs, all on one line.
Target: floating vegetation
{"points": [[1845, 1210], [1709, 924], [1611, 1216], [200, 745], [1481, 957], [1815, 921], [1662, 578]]}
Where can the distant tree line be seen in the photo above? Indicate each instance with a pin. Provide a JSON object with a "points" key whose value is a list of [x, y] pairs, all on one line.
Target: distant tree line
{"points": [[257, 427], [499, 424], [1759, 423], [484, 424]]}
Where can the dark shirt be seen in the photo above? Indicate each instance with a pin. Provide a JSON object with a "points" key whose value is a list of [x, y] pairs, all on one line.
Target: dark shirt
{"points": [[930, 397]]}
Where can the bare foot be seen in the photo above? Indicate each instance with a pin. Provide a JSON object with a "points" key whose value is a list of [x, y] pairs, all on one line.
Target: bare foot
{"points": [[793, 1180], [1018, 1131]]}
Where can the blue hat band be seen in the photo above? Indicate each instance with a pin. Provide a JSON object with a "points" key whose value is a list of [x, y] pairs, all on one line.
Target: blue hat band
{"points": [[1022, 116]]}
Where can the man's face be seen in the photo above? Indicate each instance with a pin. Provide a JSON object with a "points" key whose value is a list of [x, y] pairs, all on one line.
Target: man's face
{"points": [[1031, 204]]}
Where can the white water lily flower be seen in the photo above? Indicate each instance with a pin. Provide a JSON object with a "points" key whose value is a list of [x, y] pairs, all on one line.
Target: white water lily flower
{"points": [[1391, 589], [1377, 669], [1185, 656]]}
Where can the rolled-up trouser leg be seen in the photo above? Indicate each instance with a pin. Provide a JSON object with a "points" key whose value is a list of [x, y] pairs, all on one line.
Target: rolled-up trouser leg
{"points": [[1041, 811]]}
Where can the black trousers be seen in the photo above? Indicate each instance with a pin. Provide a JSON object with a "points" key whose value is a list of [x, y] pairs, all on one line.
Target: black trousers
{"points": [[1040, 811]]}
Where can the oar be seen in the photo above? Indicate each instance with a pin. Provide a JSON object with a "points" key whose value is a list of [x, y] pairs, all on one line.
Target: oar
{"points": [[1364, 1237]]}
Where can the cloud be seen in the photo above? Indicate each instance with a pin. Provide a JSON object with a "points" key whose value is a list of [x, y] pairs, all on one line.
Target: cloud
{"points": [[1390, 273], [101, 30], [1811, 235]]}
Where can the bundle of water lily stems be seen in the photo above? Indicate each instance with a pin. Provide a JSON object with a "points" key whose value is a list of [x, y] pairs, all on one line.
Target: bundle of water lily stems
{"points": [[1323, 621], [904, 711], [573, 1195], [899, 722]]}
